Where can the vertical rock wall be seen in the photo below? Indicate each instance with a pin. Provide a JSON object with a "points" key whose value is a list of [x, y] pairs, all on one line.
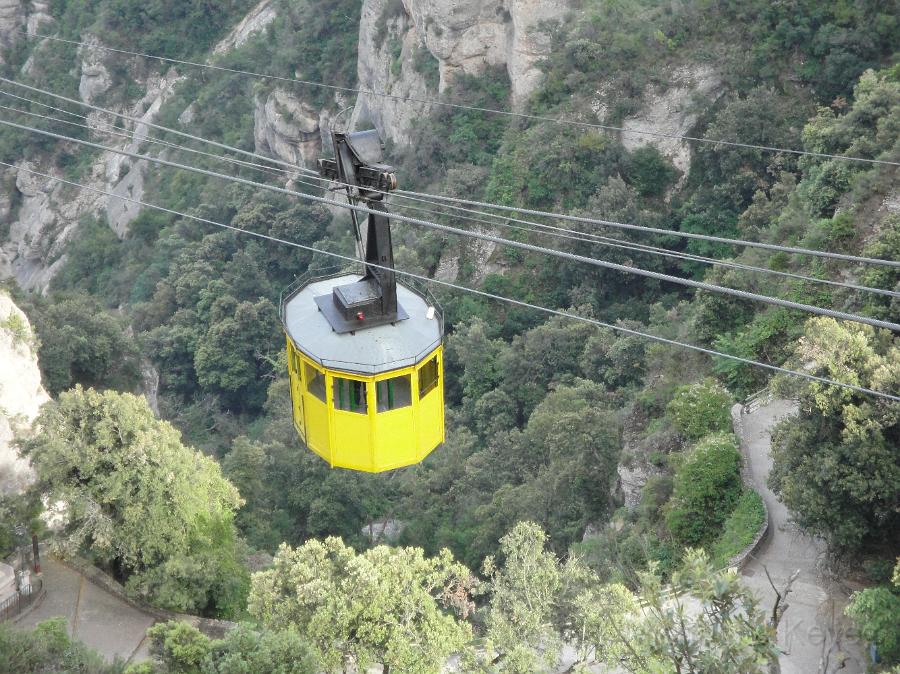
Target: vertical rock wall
{"points": [[21, 392]]}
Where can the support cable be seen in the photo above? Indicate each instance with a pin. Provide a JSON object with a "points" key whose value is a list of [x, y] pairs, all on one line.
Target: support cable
{"points": [[460, 106], [454, 200], [700, 285], [474, 291]]}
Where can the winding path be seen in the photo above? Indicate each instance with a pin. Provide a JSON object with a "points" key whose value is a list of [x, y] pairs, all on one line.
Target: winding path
{"points": [[99, 619], [814, 632]]}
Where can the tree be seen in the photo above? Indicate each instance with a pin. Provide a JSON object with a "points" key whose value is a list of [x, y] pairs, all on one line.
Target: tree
{"points": [[180, 648], [48, 648], [134, 496], [836, 464], [875, 611], [700, 409], [708, 623], [531, 600], [384, 605], [706, 488], [81, 343]]}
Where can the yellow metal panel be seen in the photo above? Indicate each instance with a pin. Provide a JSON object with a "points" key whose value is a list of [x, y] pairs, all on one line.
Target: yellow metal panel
{"points": [[296, 382], [430, 411], [395, 439], [351, 432], [371, 442], [316, 419]]}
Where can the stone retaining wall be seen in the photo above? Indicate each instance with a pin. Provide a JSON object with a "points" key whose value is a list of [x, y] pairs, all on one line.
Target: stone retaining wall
{"points": [[741, 558], [211, 627]]}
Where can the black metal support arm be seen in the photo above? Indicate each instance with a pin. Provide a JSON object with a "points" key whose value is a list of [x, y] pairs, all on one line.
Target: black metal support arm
{"points": [[372, 300]]}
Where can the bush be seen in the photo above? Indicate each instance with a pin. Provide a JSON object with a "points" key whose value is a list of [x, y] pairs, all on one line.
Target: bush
{"points": [[700, 409], [707, 486], [648, 171], [740, 528], [48, 648], [875, 611]]}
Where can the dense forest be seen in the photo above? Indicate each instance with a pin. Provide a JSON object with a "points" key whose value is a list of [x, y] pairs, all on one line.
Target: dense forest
{"points": [[514, 540]]}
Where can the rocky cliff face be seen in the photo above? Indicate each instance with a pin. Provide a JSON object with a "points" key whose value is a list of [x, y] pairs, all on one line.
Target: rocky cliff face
{"points": [[21, 15], [49, 212], [409, 49], [462, 36], [21, 392]]}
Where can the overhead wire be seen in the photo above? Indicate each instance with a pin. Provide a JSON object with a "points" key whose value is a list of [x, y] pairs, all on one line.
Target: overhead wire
{"points": [[454, 201], [740, 294], [493, 111], [475, 291], [134, 137]]}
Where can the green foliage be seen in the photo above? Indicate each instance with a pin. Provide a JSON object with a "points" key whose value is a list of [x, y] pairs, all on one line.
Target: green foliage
{"points": [[18, 330], [172, 29], [531, 595], [453, 136], [648, 171], [92, 260], [700, 409], [81, 343], [385, 605], [179, 648], [706, 488], [875, 612], [137, 499], [48, 648], [551, 166], [769, 337], [836, 465], [713, 625], [740, 528]]}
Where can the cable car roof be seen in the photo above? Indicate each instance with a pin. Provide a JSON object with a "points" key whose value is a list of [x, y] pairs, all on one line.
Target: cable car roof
{"points": [[366, 352]]}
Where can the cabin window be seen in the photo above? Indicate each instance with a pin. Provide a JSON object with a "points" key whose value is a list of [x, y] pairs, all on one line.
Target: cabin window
{"points": [[428, 377], [296, 363], [393, 393], [315, 382], [350, 395]]}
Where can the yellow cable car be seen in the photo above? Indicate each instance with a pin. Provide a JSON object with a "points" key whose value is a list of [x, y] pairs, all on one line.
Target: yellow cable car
{"points": [[364, 353]]}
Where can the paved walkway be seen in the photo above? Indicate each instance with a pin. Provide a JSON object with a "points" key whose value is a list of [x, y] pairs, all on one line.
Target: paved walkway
{"points": [[101, 620], [813, 631]]}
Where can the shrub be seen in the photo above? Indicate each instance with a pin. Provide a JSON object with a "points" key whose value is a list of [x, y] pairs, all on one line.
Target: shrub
{"points": [[875, 611], [706, 488], [700, 409], [648, 171], [740, 528]]}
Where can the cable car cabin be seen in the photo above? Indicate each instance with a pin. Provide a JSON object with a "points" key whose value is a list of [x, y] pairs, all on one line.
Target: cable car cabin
{"points": [[364, 353], [370, 398]]}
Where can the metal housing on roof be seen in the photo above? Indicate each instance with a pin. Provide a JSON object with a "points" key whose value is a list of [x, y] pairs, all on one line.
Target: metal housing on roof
{"points": [[369, 351]]}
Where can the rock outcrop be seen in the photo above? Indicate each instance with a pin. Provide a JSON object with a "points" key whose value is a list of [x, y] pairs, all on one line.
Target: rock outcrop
{"points": [[462, 36], [21, 15], [287, 128], [49, 212], [670, 111], [21, 392], [258, 18]]}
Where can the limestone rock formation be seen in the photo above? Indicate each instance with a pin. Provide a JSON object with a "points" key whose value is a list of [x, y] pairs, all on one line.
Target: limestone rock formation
{"points": [[95, 78], [21, 15], [464, 36], [672, 111], [21, 392], [287, 128], [258, 18]]}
